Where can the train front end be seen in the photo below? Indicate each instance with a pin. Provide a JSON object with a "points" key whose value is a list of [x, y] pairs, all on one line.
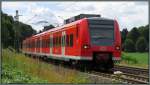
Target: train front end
{"points": [[105, 41]]}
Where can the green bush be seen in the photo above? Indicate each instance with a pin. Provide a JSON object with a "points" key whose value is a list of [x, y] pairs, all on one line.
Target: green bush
{"points": [[141, 44], [129, 45], [129, 59]]}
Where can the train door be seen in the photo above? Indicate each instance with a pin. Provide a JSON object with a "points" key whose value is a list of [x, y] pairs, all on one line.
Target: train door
{"points": [[51, 44], [63, 39]]}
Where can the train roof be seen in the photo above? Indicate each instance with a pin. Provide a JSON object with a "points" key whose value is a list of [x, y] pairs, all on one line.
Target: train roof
{"points": [[69, 24], [99, 18], [57, 28]]}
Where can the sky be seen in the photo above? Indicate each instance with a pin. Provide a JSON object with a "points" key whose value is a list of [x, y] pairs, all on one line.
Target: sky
{"points": [[41, 13]]}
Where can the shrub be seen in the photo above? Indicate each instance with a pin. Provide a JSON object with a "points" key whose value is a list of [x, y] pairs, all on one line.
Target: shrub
{"points": [[129, 45], [129, 59], [141, 44]]}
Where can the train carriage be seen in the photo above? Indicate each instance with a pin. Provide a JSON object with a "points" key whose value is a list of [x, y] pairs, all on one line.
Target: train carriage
{"points": [[93, 39]]}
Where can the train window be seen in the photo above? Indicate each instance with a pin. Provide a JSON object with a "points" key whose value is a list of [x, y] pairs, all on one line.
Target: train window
{"points": [[50, 42], [71, 40], [77, 31], [47, 43], [31, 44], [54, 42], [44, 43], [59, 41], [64, 40], [67, 40], [38, 43]]}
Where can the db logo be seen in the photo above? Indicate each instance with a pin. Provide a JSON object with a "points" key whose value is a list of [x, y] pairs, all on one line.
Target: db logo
{"points": [[103, 48]]}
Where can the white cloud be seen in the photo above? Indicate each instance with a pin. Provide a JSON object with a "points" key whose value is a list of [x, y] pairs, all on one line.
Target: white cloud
{"points": [[128, 14]]}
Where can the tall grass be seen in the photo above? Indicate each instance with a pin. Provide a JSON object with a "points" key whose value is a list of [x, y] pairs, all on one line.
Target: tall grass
{"points": [[135, 59], [41, 71]]}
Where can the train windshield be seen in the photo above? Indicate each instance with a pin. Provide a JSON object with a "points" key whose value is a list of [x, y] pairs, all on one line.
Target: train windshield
{"points": [[101, 31]]}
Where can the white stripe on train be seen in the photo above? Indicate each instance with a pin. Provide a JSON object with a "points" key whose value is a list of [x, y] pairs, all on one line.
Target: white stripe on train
{"points": [[67, 57]]}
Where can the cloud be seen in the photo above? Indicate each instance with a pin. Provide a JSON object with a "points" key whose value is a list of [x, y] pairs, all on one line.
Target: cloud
{"points": [[128, 14]]}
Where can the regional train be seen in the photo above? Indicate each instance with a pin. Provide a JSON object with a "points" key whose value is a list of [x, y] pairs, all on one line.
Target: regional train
{"points": [[94, 40]]}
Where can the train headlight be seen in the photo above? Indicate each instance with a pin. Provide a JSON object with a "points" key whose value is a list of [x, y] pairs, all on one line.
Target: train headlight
{"points": [[85, 46], [117, 47]]}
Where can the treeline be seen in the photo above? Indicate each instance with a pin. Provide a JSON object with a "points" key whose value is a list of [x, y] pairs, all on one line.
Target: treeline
{"points": [[14, 32], [135, 40]]}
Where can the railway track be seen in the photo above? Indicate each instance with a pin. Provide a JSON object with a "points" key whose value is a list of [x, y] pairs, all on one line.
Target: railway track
{"points": [[132, 74], [131, 70], [124, 78]]}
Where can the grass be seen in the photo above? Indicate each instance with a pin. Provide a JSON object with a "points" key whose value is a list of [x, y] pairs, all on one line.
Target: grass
{"points": [[135, 59], [18, 68]]}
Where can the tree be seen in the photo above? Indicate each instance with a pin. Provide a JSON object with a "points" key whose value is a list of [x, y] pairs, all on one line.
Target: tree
{"points": [[7, 33], [124, 34], [14, 32], [141, 44], [144, 31], [129, 45], [133, 34]]}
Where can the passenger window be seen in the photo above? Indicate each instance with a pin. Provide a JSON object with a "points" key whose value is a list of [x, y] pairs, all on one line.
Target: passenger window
{"points": [[62, 40], [59, 41], [67, 40], [71, 40], [56, 41], [53, 41]]}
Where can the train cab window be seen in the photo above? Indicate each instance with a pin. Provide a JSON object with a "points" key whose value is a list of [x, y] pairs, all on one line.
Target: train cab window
{"points": [[71, 40]]}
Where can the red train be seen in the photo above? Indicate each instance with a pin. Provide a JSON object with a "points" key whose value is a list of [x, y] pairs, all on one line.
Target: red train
{"points": [[92, 39]]}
